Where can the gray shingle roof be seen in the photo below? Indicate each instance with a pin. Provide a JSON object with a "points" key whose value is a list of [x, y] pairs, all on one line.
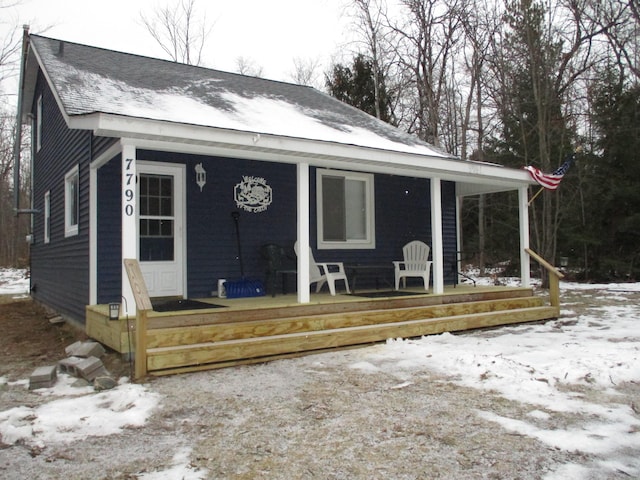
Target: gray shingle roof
{"points": [[93, 80]]}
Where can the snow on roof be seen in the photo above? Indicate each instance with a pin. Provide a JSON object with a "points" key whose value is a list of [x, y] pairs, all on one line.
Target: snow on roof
{"points": [[91, 80]]}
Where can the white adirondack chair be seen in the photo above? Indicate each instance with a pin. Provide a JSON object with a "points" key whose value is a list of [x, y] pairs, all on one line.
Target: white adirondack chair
{"points": [[416, 264], [328, 272]]}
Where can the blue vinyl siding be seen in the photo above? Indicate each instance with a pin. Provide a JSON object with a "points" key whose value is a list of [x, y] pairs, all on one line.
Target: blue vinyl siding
{"points": [[212, 251], [60, 269], [109, 242], [402, 214], [449, 232]]}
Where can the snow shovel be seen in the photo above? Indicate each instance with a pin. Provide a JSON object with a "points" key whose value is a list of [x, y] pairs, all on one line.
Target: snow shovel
{"points": [[244, 287]]}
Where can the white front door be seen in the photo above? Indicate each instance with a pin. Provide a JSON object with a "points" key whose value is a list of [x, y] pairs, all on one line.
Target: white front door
{"points": [[161, 228]]}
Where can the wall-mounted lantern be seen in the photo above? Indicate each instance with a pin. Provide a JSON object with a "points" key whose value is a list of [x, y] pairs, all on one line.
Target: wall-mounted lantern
{"points": [[201, 176]]}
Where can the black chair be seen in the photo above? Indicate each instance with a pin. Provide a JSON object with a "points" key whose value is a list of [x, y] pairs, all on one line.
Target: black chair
{"points": [[279, 263]]}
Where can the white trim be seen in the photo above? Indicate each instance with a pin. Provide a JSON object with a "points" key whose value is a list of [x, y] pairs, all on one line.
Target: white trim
{"points": [[523, 207], [242, 144], [437, 247], [47, 217], [129, 223], [71, 229], [179, 172], [303, 223], [370, 223], [38, 139], [93, 235], [107, 155]]}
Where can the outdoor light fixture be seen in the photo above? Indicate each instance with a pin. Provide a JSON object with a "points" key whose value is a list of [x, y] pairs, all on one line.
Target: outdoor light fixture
{"points": [[201, 176], [114, 311]]}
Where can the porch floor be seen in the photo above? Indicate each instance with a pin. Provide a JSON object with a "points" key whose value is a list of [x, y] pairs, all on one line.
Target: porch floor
{"points": [[246, 330]]}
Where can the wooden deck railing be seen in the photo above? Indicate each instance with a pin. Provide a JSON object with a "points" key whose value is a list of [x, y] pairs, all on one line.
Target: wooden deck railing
{"points": [[143, 306], [554, 278]]}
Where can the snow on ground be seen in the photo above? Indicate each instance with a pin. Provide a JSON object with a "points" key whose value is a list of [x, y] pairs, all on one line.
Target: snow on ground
{"points": [[75, 417], [552, 367], [13, 282]]}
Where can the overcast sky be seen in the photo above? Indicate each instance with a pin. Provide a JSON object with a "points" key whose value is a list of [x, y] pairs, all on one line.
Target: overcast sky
{"points": [[270, 33]]}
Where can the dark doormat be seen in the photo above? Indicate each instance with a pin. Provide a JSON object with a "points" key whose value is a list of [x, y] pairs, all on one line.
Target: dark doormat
{"points": [[387, 293], [182, 304]]}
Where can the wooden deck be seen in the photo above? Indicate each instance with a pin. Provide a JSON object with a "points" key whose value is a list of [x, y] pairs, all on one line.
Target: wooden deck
{"points": [[251, 330]]}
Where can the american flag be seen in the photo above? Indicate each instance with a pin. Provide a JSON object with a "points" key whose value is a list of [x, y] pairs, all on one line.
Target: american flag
{"points": [[550, 181]]}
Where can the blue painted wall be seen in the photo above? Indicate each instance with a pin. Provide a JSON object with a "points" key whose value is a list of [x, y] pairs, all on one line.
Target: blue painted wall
{"points": [[402, 214], [109, 245], [60, 269]]}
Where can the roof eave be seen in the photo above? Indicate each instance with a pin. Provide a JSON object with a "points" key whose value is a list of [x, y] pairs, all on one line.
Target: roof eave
{"points": [[146, 133]]}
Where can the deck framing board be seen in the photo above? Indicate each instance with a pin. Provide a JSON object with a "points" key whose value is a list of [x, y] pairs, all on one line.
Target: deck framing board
{"points": [[225, 351], [237, 330]]}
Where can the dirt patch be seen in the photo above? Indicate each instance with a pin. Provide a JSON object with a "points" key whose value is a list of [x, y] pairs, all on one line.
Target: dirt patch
{"points": [[313, 417]]}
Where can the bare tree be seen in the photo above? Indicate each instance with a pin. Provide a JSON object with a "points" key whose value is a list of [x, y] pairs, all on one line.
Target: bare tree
{"points": [[10, 43], [180, 31], [620, 23], [427, 40], [368, 17], [248, 66], [305, 72]]}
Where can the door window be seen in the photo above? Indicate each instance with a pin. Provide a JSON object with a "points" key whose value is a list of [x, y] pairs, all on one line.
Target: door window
{"points": [[156, 218]]}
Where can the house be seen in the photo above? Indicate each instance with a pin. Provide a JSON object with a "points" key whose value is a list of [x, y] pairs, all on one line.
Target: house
{"points": [[135, 157]]}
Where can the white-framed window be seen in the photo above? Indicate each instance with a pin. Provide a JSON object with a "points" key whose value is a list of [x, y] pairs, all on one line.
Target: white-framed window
{"points": [[47, 217], [346, 209], [38, 123], [71, 202]]}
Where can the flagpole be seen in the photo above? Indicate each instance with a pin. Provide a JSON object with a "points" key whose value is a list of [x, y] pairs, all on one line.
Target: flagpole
{"points": [[535, 196]]}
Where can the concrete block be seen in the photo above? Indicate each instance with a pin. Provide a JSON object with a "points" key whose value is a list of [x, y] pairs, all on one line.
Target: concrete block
{"points": [[90, 368], [73, 347], [85, 349], [43, 377], [69, 365]]}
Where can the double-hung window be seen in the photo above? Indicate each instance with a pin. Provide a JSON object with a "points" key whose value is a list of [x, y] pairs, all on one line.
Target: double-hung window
{"points": [[71, 202], [346, 213]]}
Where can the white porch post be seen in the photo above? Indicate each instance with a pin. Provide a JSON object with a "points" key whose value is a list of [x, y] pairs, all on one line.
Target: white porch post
{"points": [[437, 248], [525, 267], [304, 295], [93, 235], [129, 222]]}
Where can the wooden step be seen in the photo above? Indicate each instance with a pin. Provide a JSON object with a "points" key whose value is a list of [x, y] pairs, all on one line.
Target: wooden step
{"points": [[217, 332], [171, 359], [225, 315]]}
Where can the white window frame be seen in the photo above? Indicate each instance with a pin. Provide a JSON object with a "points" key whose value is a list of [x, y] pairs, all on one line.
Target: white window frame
{"points": [[369, 242], [71, 201], [47, 216], [39, 123]]}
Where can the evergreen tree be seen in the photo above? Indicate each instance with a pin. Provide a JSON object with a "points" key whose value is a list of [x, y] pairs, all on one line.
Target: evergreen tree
{"points": [[355, 85], [615, 198]]}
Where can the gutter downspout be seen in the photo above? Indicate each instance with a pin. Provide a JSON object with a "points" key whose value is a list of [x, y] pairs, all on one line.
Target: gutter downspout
{"points": [[17, 144]]}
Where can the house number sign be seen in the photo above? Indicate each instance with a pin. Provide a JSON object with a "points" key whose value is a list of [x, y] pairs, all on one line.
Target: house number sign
{"points": [[253, 194], [129, 192]]}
